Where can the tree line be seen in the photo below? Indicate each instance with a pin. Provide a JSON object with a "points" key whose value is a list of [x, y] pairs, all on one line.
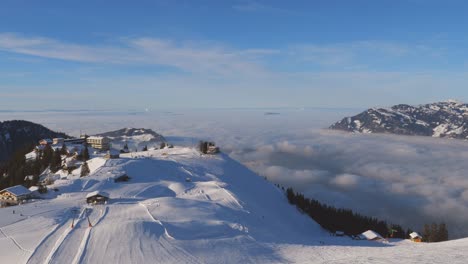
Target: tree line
{"points": [[14, 171], [435, 232], [337, 219]]}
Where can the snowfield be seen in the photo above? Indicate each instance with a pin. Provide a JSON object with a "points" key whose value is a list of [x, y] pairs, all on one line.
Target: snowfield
{"points": [[182, 207]]}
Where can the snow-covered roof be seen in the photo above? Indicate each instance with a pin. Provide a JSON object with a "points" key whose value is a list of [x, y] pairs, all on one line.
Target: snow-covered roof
{"points": [[33, 188], [29, 177], [17, 190], [95, 137], [371, 235], [414, 235], [101, 193], [31, 155]]}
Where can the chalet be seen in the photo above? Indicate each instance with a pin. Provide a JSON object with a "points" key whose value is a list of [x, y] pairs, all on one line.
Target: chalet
{"points": [[101, 143], [371, 235], [46, 141], [212, 149], [57, 141], [97, 197], [14, 195], [112, 154], [415, 237]]}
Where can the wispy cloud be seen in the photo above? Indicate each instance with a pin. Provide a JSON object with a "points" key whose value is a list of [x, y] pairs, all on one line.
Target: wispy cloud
{"points": [[184, 56], [255, 6], [363, 54]]}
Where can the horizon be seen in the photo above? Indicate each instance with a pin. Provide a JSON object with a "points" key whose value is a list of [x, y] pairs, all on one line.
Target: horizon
{"points": [[233, 54]]}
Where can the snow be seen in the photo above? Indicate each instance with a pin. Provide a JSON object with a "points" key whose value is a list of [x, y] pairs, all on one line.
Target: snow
{"points": [[31, 155], [440, 130], [414, 235], [91, 194], [225, 214], [33, 189], [18, 190], [371, 235], [95, 137], [457, 131]]}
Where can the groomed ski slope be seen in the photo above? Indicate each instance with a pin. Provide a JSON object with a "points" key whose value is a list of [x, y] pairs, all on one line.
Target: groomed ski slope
{"points": [[223, 214]]}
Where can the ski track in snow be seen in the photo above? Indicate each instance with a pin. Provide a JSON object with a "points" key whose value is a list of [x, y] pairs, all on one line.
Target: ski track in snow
{"points": [[63, 237], [36, 254], [159, 217], [157, 221], [85, 239], [14, 241]]}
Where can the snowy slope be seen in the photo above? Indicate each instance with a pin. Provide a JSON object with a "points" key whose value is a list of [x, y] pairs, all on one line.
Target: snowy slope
{"points": [[224, 214]]}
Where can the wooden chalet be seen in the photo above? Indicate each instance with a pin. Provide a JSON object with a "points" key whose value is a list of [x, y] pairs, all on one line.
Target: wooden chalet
{"points": [[97, 197], [371, 235], [415, 237], [14, 195]]}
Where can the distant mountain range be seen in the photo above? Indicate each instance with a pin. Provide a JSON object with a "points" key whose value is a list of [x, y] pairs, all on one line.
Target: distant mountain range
{"points": [[17, 134], [442, 119], [134, 138]]}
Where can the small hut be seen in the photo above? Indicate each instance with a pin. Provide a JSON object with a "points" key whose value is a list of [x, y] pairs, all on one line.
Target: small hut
{"points": [[122, 178], [112, 154], [97, 197], [339, 233], [372, 235], [14, 195], [415, 237]]}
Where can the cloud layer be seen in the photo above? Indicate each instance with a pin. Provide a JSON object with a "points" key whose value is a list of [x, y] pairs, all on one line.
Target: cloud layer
{"points": [[405, 180]]}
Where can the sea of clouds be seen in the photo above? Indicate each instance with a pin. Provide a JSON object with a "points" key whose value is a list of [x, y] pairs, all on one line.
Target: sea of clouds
{"points": [[404, 180]]}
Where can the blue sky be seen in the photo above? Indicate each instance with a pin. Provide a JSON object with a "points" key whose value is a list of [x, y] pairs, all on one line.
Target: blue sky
{"points": [[216, 54]]}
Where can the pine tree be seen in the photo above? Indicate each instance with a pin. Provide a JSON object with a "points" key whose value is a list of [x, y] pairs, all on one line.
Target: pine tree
{"points": [[47, 153], [84, 169], [63, 150], [442, 234], [434, 233], [408, 232], [203, 145], [56, 161], [85, 154]]}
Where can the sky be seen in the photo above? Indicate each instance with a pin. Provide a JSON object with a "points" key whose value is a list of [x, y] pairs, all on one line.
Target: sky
{"points": [[162, 54]]}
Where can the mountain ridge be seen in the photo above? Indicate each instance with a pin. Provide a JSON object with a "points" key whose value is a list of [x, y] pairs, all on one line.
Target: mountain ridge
{"points": [[447, 119], [16, 134], [134, 137]]}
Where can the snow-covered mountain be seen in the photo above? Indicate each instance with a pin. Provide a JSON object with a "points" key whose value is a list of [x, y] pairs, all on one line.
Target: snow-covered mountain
{"points": [[134, 138], [180, 207], [442, 119], [17, 134]]}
